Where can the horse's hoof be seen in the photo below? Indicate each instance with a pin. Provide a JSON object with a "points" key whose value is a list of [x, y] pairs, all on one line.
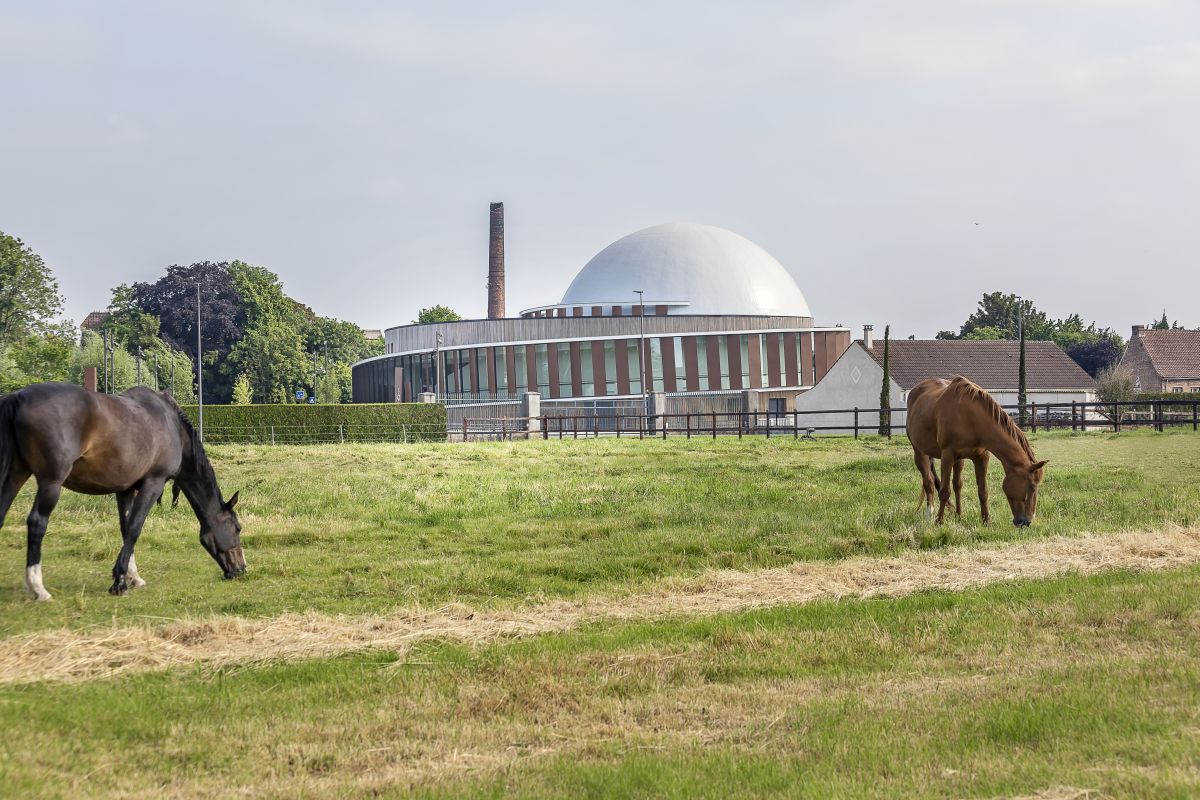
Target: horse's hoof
{"points": [[136, 583], [118, 588], [44, 597]]}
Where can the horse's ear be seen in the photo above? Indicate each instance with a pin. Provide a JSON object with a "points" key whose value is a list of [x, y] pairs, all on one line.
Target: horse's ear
{"points": [[231, 502], [1038, 465]]}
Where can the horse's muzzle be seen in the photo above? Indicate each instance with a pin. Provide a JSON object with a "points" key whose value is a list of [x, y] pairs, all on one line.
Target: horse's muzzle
{"points": [[1022, 523], [233, 563]]}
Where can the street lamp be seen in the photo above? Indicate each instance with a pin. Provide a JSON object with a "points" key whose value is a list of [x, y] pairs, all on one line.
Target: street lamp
{"points": [[437, 367], [642, 346], [199, 367]]}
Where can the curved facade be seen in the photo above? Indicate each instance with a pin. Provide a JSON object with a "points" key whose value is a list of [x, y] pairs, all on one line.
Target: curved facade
{"points": [[719, 315]]}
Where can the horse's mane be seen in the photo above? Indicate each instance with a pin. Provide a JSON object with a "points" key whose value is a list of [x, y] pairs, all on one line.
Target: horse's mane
{"points": [[965, 388], [199, 467]]}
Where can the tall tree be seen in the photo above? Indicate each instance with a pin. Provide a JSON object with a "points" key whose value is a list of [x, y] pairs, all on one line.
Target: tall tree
{"points": [[29, 297], [437, 314], [885, 394], [172, 299]]}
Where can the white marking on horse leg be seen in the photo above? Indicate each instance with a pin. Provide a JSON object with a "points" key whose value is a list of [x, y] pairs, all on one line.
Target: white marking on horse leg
{"points": [[131, 575], [33, 583]]}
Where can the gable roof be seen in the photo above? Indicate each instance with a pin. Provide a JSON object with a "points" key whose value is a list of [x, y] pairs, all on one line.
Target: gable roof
{"points": [[93, 320], [991, 364], [1174, 354]]}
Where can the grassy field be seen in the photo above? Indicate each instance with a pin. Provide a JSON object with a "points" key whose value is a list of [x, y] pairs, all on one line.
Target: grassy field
{"points": [[1078, 682], [371, 527]]}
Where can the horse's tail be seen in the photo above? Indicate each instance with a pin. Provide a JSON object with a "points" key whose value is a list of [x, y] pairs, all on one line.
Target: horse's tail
{"points": [[8, 434]]}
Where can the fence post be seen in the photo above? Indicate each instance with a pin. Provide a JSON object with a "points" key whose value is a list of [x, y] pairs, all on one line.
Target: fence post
{"points": [[795, 424], [1116, 417], [1033, 416], [688, 421], [546, 428], [503, 428], [464, 429], [272, 434], [663, 420], [714, 426], [342, 433], [856, 421], [1194, 419], [1073, 415]]}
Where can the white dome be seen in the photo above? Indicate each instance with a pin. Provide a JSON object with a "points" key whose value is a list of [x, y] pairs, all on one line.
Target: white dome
{"points": [[713, 270]]}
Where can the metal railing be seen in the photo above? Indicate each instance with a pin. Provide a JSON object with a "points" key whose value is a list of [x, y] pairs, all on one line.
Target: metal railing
{"points": [[855, 422]]}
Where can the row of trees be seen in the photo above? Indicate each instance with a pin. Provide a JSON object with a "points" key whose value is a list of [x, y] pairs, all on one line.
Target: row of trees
{"points": [[1005, 316], [258, 344]]}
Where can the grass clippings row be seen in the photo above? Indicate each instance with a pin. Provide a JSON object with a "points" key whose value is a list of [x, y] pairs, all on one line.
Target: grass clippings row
{"points": [[72, 655]]}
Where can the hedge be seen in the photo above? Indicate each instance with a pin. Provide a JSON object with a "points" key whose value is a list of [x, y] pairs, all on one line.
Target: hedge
{"points": [[296, 423]]}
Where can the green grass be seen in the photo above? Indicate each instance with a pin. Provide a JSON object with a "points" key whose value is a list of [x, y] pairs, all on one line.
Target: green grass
{"points": [[1091, 682], [370, 527]]}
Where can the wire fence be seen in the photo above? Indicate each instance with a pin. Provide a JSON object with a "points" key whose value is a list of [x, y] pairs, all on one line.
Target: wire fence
{"points": [[323, 434]]}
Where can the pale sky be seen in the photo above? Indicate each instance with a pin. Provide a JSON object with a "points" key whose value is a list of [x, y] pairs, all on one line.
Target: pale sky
{"points": [[353, 147]]}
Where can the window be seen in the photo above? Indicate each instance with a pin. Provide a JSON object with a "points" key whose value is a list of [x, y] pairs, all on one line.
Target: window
{"points": [[481, 373], [744, 343], [1196, 388], [610, 367], [543, 369], [635, 367], [521, 378], [500, 355], [564, 369], [762, 360], [680, 366], [702, 362], [1177, 389], [723, 345], [587, 384], [656, 366]]}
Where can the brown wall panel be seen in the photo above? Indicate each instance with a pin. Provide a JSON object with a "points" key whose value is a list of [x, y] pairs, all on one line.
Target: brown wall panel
{"points": [[577, 311], [621, 346], [616, 311], [821, 346], [735, 362], [490, 354], [531, 367], [472, 373], [691, 364], [790, 362], [755, 359], [773, 376], [806, 356], [597, 311], [668, 363], [660, 311], [714, 362], [599, 379], [576, 371], [510, 363]]}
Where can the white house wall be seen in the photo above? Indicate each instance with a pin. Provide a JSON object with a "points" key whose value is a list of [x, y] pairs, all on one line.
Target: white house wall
{"points": [[854, 381]]}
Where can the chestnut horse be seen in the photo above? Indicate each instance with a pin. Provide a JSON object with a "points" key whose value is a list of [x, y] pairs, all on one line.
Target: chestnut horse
{"points": [[129, 445], [956, 420]]}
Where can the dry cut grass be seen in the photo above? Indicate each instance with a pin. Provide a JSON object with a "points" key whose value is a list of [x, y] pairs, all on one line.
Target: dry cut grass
{"points": [[73, 655]]}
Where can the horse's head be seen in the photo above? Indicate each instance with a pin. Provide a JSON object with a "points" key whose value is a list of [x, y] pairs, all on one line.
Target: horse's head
{"points": [[1020, 487], [222, 538]]}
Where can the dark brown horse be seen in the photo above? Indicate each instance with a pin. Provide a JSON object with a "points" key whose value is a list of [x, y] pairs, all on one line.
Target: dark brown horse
{"points": [[956, 420], [130, 446]]}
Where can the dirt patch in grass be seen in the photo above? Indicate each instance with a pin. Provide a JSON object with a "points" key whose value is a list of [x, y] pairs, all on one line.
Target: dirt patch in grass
{"points": [[71, 655]]}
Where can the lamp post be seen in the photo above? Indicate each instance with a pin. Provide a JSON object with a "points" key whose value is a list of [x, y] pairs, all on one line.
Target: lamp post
{"points": [[437, 367], [199, 367], [642, 346]]}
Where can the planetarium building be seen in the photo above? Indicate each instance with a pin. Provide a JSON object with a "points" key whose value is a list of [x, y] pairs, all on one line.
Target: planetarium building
{"points": [[716, 314]]}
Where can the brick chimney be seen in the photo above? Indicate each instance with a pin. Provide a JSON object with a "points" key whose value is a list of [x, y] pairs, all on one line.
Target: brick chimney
{"points": [[496, 264], [1137, 330], [869, 336]]}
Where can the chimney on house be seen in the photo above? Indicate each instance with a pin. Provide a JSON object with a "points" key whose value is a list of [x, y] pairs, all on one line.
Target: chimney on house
{"points": [[869, 336], [1137, 330], [496, 264]]}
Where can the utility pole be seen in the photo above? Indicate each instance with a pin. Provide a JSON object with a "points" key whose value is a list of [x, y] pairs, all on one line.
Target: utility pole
{"points": [[199, 367], [642, 347], [437, 367]]}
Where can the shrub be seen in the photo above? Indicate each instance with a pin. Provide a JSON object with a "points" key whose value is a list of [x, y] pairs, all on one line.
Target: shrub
{"points": [[311, 424], [1115, 384]]}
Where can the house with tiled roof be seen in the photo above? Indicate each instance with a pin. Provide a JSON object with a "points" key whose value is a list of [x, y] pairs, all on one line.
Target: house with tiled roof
{"points": [[93, 321], [1163, 361], [856, 379]]}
